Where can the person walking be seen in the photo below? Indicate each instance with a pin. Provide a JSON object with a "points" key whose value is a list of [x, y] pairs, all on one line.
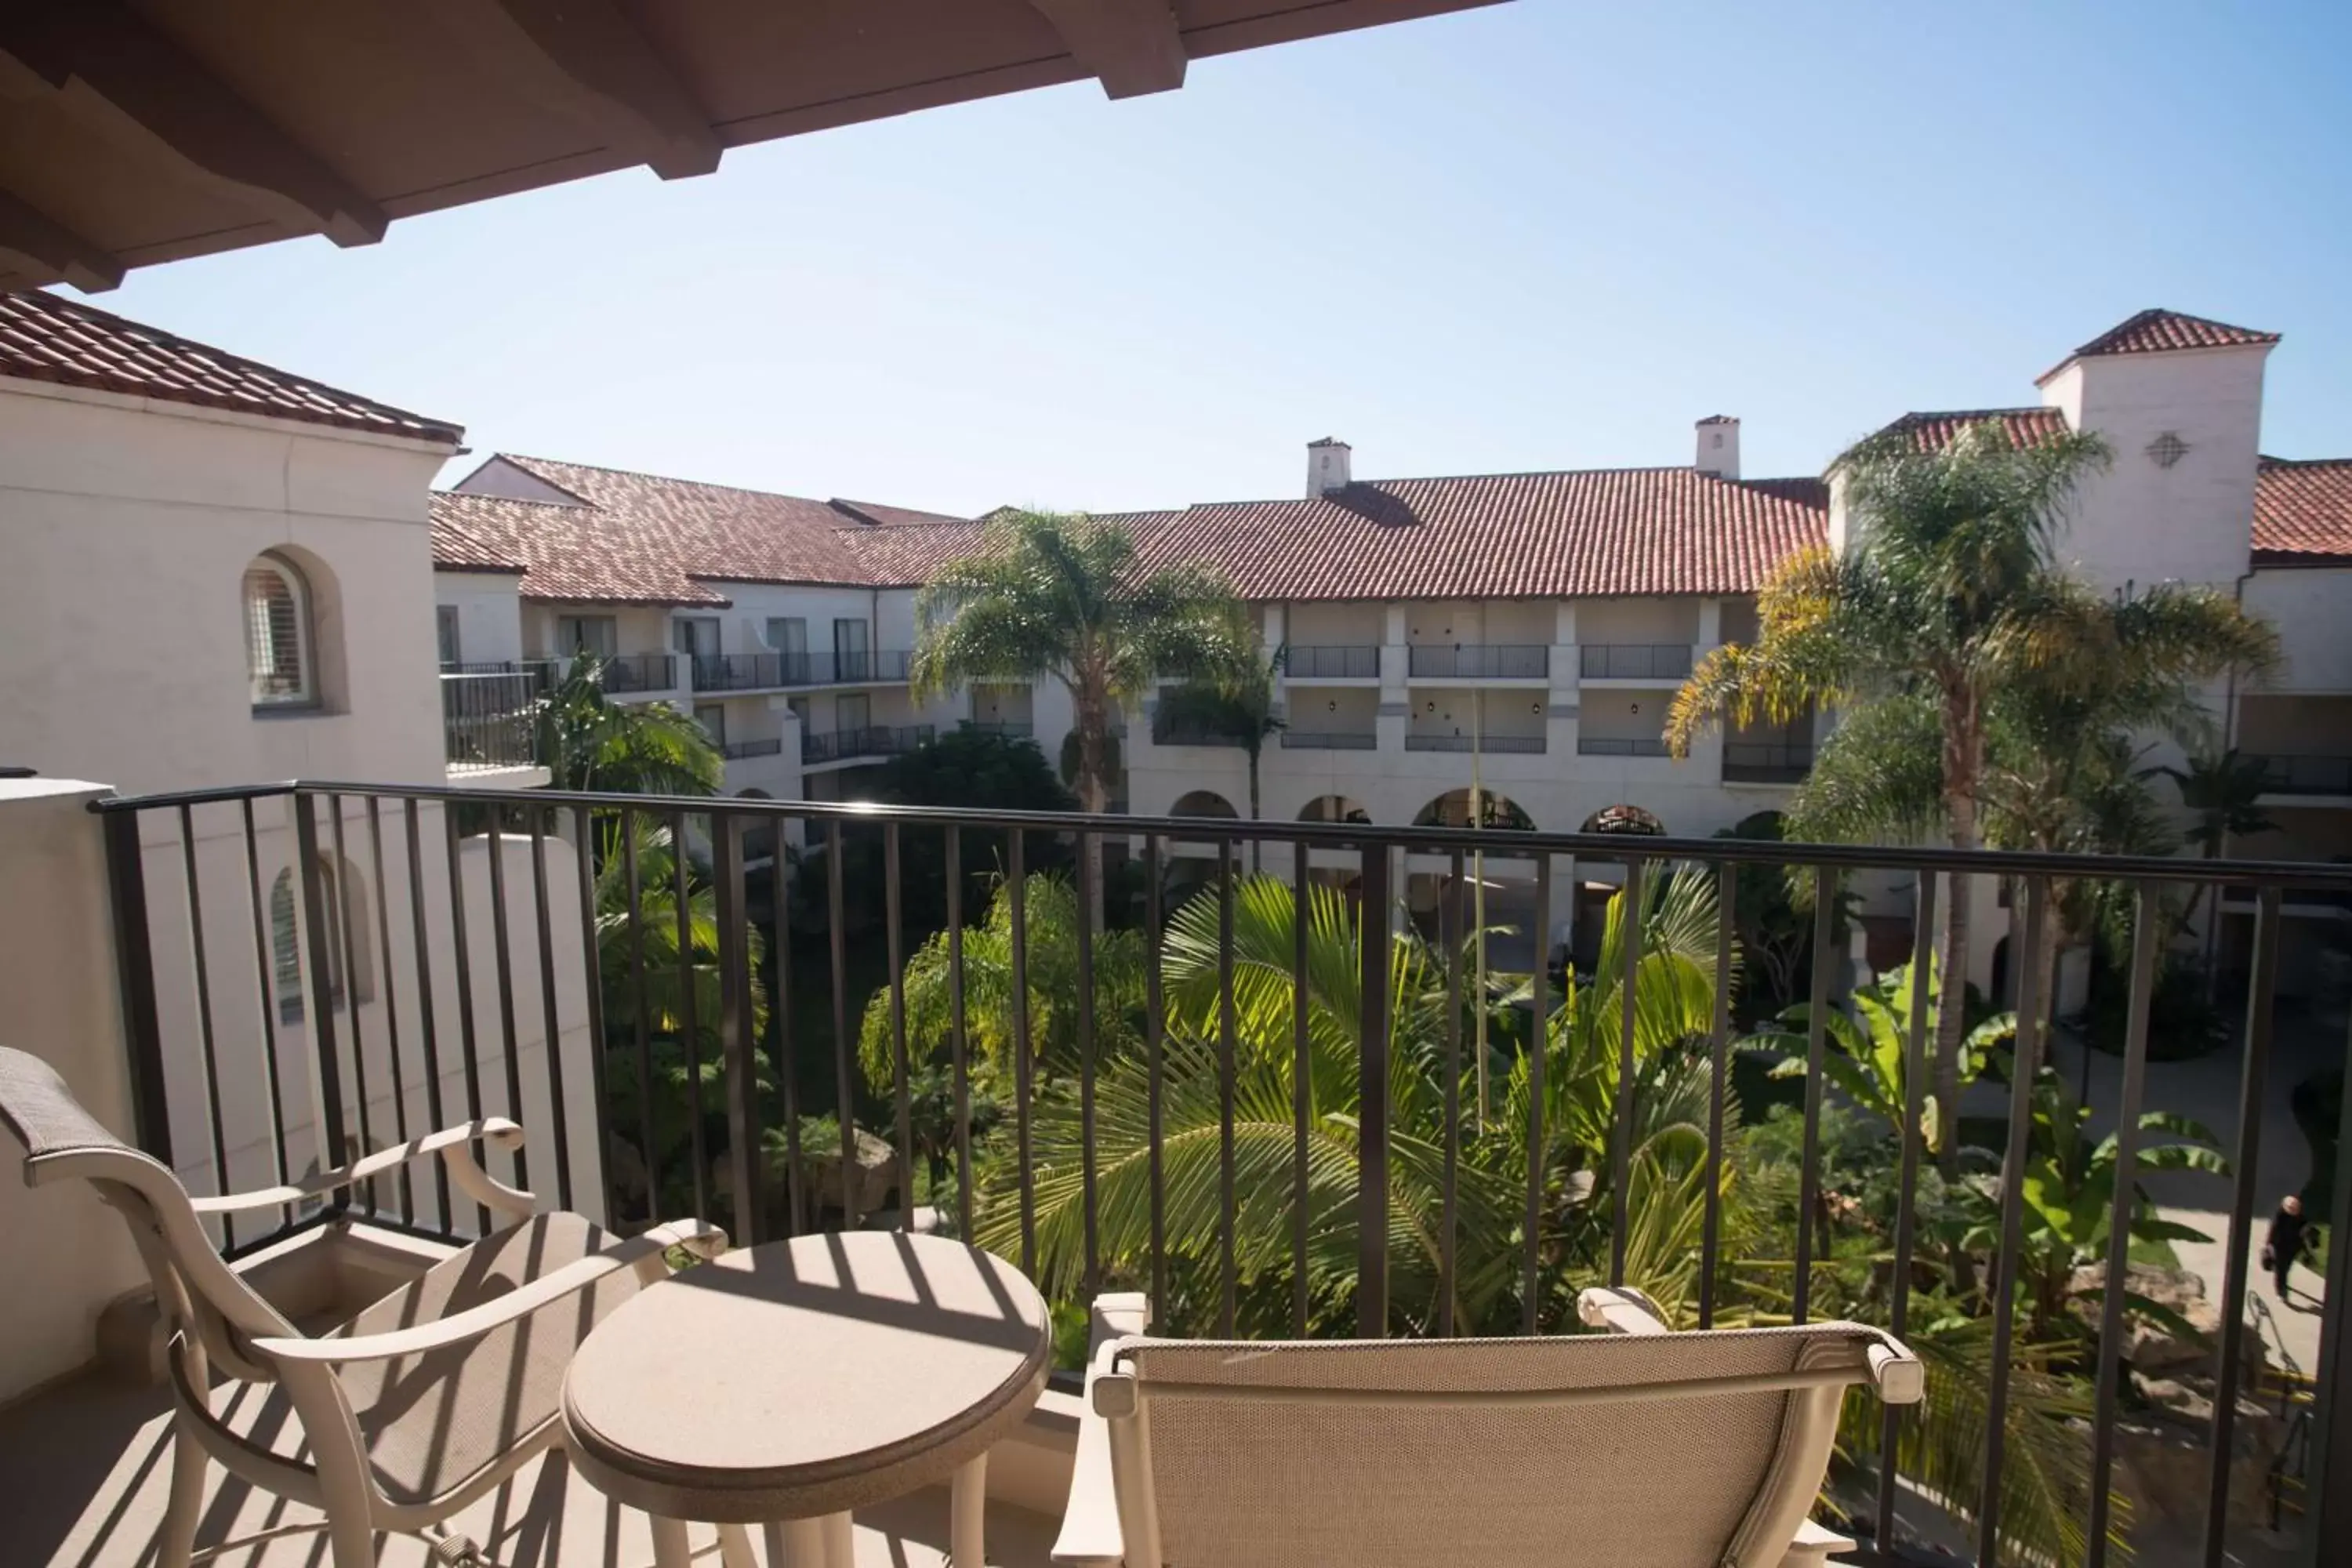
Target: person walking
{"points": [[2285, 1243]]}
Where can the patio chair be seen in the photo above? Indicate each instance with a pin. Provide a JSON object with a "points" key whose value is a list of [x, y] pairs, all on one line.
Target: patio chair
{"points": [[1635, 1448], [423, 1403]]}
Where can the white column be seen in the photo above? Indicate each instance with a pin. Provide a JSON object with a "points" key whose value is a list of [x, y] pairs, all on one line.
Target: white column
{"points": [[1394, 711], [1561, 711]]}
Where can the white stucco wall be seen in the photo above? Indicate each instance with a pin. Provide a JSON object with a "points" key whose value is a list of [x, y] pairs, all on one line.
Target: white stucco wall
{"points": [[2312, 608], [490, 614], [128, 526]]}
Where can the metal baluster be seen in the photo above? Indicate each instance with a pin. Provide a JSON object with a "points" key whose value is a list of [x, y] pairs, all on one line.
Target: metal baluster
{"points": [[428, 1026], [1155, 1021], [1450, 1215], [1015, 886], [799, 1211], [736, 1047], [552, 1023], [845, 1059], [502, 956], [1372, 1095], [204, 1017], [264, 979], [593, 979], [2146, 916], [465, 971], [1228, 1265], [1085, 847], [690, 1029], [1816, 1019], [1915, 1072], [2027, 1059], [134, 970], [1620, 1155], [344, 922], [1302, 906], [2262, 986], [390, 1004], [649, 1132], [326, 1066], [902, 1073], [2329, 1469], [1727, 896], [1538, 1040], [959, 1065]]}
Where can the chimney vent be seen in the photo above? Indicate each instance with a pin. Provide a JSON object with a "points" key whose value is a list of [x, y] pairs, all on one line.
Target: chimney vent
{"points": [[1326, 466], [1719, 447]]}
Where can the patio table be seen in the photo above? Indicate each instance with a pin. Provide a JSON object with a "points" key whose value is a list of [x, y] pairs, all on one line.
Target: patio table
{"points": [[788, 1383]]}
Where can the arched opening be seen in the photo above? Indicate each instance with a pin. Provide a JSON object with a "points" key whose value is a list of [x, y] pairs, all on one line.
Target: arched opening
{"points": [[281, 664], [344, 900], [1479, 808], [1202, 802], [1334, 809], [1623, 819]]}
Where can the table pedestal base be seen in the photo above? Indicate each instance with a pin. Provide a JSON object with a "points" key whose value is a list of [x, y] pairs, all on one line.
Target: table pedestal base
{"points": [[830, 1540]]}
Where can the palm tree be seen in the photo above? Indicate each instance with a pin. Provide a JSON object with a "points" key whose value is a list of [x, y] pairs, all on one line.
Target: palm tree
{"points": [[588, 741], [1237, 705], [1062, 595], [2222, 793]]}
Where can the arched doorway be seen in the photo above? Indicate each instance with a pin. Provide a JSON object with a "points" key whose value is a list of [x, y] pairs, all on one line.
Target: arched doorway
{"points": [[1630, 819], [1202, 802], [1591, 910], [1456, 808], [1334, 809]]}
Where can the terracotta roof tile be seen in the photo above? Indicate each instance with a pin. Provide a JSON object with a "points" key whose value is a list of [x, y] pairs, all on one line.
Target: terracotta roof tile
{"points": [[46, 338], [572, 553], [2160, 331], [2302, 512], [1935, 430], [456, 548]]}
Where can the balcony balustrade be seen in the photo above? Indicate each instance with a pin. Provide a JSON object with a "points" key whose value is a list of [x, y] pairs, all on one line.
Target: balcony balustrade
{"points": [[489, 719], [2307, 774], [1602, 746], [1759, 762], [1330, 741], [1495, 661], [779, 671], [1352, 662], [872, 741], [1491, 745], [764, 746], [1633, 662]]}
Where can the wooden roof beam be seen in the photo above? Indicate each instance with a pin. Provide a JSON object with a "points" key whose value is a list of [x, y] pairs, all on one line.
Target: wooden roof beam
{"points": [[1133, 47], [118, 73], [619, 82], [39, 239]]}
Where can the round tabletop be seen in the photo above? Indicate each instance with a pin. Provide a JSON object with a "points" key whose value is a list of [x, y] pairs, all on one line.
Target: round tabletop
{"points": [[805, 1377]]}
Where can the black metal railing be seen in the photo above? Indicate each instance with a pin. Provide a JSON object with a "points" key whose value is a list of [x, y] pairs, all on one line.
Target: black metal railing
{"points": [[2307, 774], [618, 673], [768, 672], [1352, 661], [1496, 661], [486, 719], [1602, 746], [1011, 729], [764, 746], [1098, 1138], [871, 741], [1495, 745], [1760, 762], [1166, 732], [1330, 740], [1633, 662]]}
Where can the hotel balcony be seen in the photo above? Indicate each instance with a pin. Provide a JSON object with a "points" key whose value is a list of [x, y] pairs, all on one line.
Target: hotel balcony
{"points": [[1491, 745], [490, 728], [1636, 663], [1330, 741], [2307, 775], [871, 741], [789, 671], [1332, 662], [1608, 746], [1380, 1196], [622, 675], [1753, 762], [1482, 662]]}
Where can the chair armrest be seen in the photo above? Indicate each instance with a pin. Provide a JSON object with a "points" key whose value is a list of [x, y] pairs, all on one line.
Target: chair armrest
{"points": [[454, 1144], [1090, 1527], [1620, 1310], [1814, 1545], [1896, 1372], [640, 1253]]}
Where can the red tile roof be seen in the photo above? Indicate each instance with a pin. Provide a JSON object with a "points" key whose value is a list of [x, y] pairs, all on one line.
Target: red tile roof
{"points": [[2302, 512], [456, 548], [572, 553], [2160, 331], [46, 338], [1934, 431]]}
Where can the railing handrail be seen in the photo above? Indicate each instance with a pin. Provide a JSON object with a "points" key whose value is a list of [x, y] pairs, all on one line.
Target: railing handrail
{"points": [[1648, 848]]}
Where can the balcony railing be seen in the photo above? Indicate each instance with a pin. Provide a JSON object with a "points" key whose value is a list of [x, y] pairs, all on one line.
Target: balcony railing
{"points": [[1332, 661], [1330, 740], [1492, 745], [1635, 661], [1601, 746], [1125, 1139], [1011, 729], [764, 746], [1174, 732], [2307, 775], [620, 673], [488, 719], [774, 671], [873, 740], [1496, 661], [1759, 762]]}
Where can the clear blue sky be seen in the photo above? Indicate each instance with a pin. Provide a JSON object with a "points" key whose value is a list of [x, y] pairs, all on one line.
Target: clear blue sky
{"points": [[1545, 235]]}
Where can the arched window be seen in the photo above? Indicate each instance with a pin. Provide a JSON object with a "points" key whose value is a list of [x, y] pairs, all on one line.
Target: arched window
{"points": [[1333, 808], [341, 900], [1484, 808], [279, 661], [1624, 820], [1202, 802]]}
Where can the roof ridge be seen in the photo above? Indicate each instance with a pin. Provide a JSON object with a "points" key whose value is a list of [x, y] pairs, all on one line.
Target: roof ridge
{"points": [[667, 480], [453, 494], [1457, 478], [2301, 462]]}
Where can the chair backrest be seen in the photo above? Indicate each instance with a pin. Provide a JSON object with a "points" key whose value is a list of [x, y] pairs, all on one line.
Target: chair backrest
{"points": [[195, 1290], [1674, 1450]]}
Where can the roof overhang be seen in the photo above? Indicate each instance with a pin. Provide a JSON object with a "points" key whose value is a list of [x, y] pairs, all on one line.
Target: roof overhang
{"points": [[139, 132]]}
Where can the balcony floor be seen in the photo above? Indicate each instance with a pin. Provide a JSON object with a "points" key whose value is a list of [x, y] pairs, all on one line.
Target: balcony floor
{"points": [[89, 1465]]}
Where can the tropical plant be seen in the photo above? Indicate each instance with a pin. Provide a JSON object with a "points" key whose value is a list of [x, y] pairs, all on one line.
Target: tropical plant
{"points": [[1941, 595], [1064, 596], [588, 741], [1236, 705], [2222, 794]]}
